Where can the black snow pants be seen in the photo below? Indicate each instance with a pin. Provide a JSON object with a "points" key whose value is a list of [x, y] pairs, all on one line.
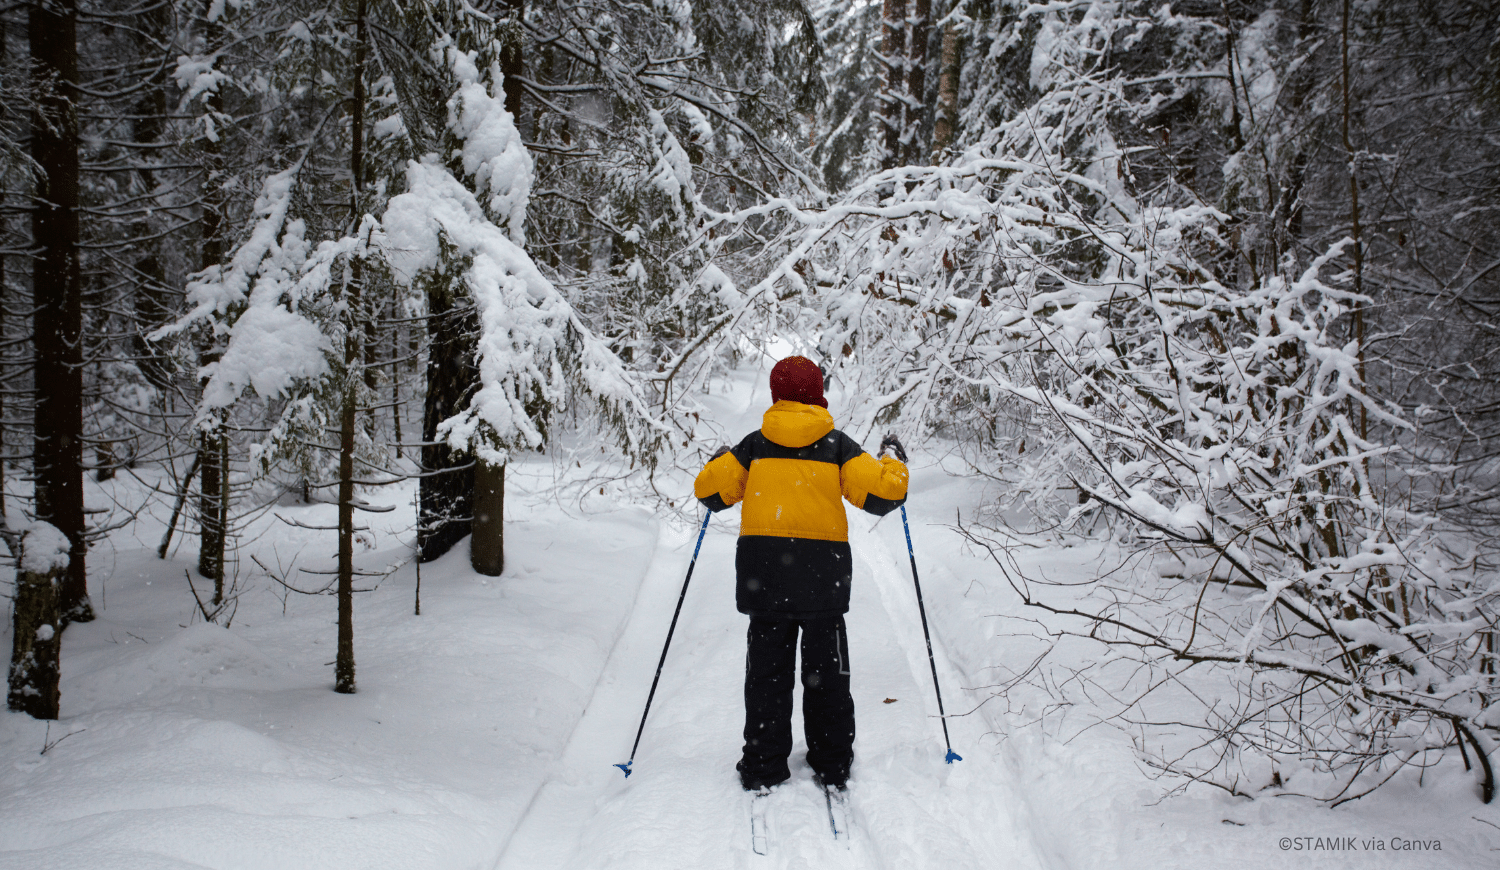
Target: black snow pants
{"points": [[827, 706]]}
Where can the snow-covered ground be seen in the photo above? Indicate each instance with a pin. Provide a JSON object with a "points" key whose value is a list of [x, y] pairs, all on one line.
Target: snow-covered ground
{"points": [[485, 729]]}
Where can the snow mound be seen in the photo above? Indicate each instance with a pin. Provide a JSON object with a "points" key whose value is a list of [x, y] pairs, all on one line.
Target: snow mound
{"points": [[202, 656], [149, 789], [227, 745]]}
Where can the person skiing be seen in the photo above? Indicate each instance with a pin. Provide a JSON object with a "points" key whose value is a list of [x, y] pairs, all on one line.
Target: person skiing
{"points": [[793, 569]]}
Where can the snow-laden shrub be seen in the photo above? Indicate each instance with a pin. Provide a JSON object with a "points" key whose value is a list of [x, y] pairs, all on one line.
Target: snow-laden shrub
{"points": [[1079, 336]]}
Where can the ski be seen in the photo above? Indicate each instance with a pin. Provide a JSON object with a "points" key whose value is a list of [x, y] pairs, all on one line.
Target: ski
{"points": [[760, 840], [839, 816]]}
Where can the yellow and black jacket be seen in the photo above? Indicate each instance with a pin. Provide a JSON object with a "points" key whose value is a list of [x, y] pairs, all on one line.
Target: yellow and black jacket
{"points": [[793, 558]]}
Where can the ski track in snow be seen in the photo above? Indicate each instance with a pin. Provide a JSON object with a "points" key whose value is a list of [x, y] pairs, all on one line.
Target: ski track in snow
{"points": [[683, 807], [485, 731]]}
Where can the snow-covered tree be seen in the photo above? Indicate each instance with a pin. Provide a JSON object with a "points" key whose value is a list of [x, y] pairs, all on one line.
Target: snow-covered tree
{"points": [[642, 120], [1034, 298], [457, 232], [291, 309]]}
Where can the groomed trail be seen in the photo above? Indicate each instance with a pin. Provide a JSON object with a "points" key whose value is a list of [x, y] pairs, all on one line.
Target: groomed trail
{"points": [[683, 806], [485, 731]]}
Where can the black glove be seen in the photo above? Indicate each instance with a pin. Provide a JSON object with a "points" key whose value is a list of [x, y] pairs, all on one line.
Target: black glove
{"points": [[891, 444], [717, 453]]}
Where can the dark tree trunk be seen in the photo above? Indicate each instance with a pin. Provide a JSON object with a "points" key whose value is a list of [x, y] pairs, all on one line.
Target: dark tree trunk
{"points": [[913, 150], [57, 319], [1355, 230], [392, 313], [510, 58], [5, 383], [945, 120], [487, 544], [893, 58], [343, 671], [34, 666], [446, 492], [211, 450], [151, 300], [213, 446]]}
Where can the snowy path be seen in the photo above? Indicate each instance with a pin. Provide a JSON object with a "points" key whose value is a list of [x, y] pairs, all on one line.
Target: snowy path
{"points": [[683, 806], [485, 730], [200, 747]]}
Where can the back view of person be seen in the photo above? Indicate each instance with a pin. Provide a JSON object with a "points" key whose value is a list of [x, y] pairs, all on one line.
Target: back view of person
{"points": [[793, 569]]}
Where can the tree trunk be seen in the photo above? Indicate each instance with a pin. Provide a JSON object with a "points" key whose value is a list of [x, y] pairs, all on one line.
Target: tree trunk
{"points": [[945, 120], [223, 517], [57, 319], [487, 543], [4, 345], [4, 294], [343, 672], [510, 58], [152, 300], [372, 373], [912, 150], [1355, 230], [446, 491], [213, 444], [893, 58], [34, 670], [393, 312]]}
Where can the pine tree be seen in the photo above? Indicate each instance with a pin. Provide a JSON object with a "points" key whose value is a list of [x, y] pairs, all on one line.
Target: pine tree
{"points": [[57, 318]]}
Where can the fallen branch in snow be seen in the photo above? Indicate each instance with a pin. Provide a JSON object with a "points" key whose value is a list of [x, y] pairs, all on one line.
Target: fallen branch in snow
{"points": [[49, 744], [227, 606], [182, 494]]}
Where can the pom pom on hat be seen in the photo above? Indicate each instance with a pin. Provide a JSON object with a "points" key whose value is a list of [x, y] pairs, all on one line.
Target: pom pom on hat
{"points": [[798, 379]]}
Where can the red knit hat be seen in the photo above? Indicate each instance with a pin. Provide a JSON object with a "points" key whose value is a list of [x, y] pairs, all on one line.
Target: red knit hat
{"points": [[797, 379]]}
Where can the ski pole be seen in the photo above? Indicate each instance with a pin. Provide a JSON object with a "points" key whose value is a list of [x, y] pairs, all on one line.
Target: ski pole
{"points": [[703, 529], [942, 717]]}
